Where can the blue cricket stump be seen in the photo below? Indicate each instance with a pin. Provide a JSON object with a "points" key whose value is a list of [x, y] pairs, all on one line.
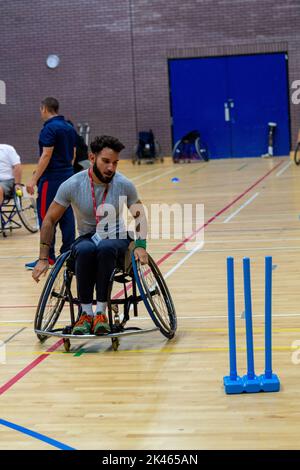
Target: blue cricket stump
{"points": [[251, 381], [232, 383], [269, 381]]}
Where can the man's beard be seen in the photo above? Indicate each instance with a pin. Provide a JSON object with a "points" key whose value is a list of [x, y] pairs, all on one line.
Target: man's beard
{"points": [[102, 178]]}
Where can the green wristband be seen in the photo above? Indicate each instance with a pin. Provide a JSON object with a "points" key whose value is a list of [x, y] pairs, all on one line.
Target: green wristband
{"points": [[141, 244]]}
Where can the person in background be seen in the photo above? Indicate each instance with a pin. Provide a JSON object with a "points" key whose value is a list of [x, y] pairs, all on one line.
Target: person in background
{"points": [[10, 171], [57, 144]]}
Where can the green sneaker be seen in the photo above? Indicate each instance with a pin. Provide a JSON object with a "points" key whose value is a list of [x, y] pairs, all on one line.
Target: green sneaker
{"points": [[100, 324], [84, 325]]}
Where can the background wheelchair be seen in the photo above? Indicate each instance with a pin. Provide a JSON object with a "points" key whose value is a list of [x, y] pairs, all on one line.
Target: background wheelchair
{"points": [[59, 300], [147, 149], [22, 205], [190, 148]]}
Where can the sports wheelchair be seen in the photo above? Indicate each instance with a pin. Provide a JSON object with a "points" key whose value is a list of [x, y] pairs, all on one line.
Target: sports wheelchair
{"points": [[59, 299], [190, 148], [147, 149], [24, 206]]}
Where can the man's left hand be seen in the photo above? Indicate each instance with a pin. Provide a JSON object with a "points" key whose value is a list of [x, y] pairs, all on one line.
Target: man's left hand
{"points": [[141, 255]]}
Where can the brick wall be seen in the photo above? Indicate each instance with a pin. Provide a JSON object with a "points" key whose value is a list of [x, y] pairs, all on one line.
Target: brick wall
{"points": [[113, 71]]}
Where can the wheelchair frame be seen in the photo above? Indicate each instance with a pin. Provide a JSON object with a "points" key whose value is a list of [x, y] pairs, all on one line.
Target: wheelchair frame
{"points": [[136, 158], [9, 209], [130, 276], [200, 150]]}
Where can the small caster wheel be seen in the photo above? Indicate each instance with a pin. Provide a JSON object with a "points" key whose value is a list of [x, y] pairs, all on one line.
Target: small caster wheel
{"points": [[67, 344], [42, 338], [115, 343]]}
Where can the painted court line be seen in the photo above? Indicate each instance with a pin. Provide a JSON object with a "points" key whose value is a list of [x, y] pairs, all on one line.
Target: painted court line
{"points": [[18, 322], [157, 177], [15, 334], [35, 435], [29, 367], [240, 208], [145, 174], [56, 345], [280, 172], [241, 167], [214, 217], [183, 260], [204, 317]]}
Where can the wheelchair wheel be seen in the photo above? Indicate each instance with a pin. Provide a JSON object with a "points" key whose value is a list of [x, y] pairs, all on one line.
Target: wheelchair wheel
{"points": [[156, 296], [297, 154], [177, 151], [53, 298], [201, 150], [26, 209]]}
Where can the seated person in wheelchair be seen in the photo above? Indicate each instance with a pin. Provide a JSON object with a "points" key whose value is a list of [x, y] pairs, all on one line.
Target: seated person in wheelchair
{"points": [[93, 193], [10, 171]]}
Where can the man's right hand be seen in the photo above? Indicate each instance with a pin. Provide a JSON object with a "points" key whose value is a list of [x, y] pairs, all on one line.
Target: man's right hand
{"points": [[30, 187], [41, 267]]}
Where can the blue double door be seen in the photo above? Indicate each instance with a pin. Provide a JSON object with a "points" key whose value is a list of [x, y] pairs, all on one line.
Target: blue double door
{"points": [[231, 100]]}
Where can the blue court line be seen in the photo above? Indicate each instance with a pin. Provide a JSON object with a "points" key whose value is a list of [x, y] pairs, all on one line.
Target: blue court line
{"points": [[36, 435]]}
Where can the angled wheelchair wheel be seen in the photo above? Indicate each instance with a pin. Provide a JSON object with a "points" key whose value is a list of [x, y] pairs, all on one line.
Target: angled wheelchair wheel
{"points": [[27, 211], [53, 298], [297, 154], [177, 151], [201, 150], [156, 296]]}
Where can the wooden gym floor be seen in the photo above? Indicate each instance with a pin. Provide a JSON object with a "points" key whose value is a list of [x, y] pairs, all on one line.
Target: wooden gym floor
{"points": [[151, 393]]}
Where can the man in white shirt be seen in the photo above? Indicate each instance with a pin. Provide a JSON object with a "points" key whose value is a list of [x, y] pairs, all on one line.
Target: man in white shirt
{"points": [[10, 170]]}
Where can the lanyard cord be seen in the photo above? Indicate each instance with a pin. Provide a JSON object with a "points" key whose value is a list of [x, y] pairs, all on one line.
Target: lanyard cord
{"points": [[97, 217]]}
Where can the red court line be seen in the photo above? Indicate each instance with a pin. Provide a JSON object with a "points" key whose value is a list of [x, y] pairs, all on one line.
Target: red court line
{"points": [[177, 247], [43, 356], [28, 368]]}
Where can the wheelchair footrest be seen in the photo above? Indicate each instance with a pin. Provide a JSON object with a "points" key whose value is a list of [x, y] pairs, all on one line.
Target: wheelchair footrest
{"points": [[125, 332]]}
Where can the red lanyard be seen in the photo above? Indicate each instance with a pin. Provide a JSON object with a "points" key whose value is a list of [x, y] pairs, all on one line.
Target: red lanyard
{"points": [[97, 217]]}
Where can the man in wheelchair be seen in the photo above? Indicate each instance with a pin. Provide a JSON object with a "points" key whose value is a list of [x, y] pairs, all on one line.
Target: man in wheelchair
{"points": [[97, 196], [10, 171]]}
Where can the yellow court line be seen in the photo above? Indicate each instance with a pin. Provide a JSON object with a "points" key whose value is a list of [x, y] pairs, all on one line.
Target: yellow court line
{"points": [[165, 350], [238, 330], [205, 330]]}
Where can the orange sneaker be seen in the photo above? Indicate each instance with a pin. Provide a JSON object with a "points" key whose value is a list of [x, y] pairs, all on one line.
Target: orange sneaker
{"points": [[84, 325], [100, 324]]}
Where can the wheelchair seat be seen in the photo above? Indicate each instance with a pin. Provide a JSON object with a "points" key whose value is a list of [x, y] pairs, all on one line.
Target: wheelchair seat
{"points": [[146, 284]]}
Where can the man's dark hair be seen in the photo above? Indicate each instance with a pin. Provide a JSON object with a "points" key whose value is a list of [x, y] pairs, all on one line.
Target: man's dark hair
{"points": [[106, 141], [51, 104]]}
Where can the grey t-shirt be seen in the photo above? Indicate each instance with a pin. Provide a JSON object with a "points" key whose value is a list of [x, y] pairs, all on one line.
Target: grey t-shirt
{"points": [[76, 191]]}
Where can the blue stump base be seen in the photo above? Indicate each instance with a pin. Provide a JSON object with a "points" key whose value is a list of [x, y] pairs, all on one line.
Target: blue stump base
{"points": [[245, 385], [271, 384], [233, 386], [251, 385]]}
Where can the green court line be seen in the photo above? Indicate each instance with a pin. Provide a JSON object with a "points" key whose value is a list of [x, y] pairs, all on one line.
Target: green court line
{"points": [[79, 352]]}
